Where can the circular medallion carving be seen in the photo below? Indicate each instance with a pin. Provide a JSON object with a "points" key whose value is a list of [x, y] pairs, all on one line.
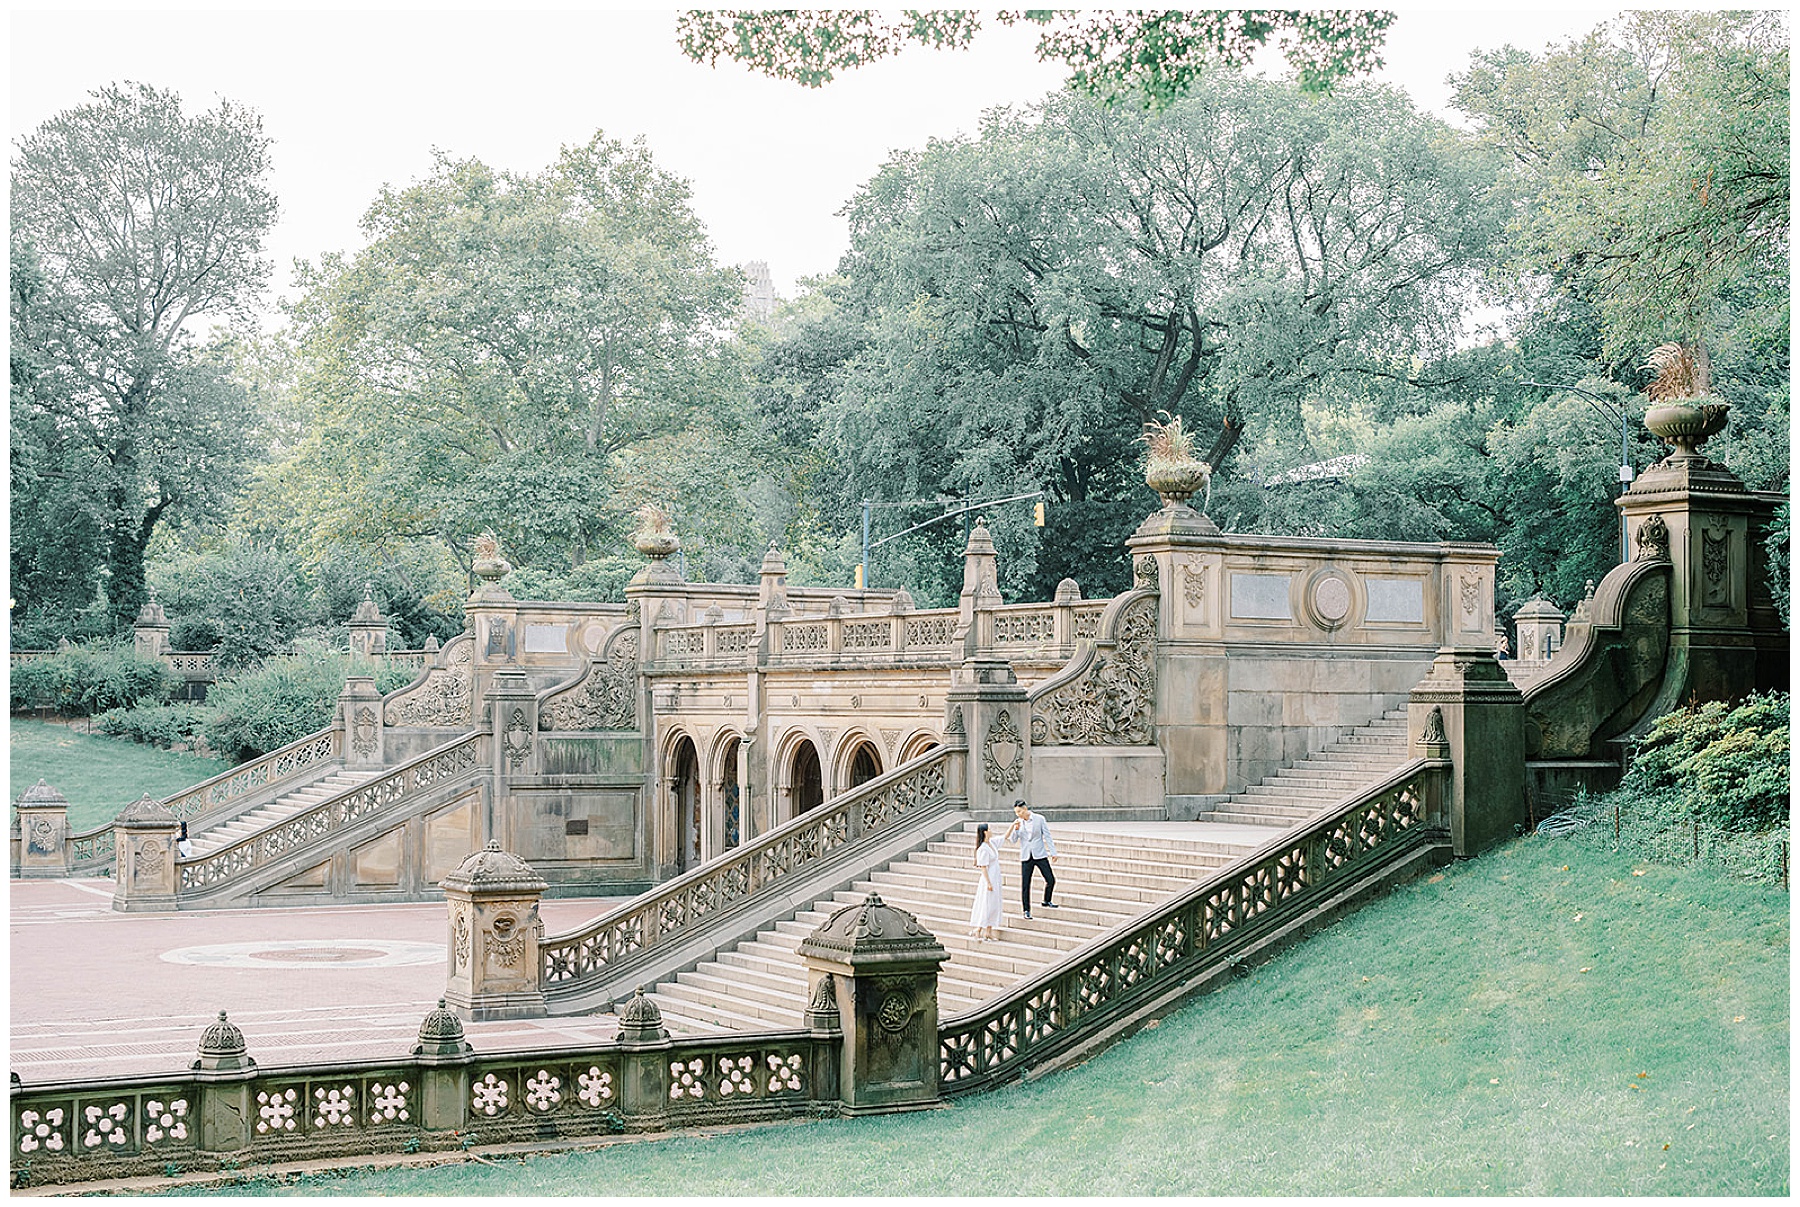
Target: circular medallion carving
{"points": [[1332, 600], [895, 1013]]}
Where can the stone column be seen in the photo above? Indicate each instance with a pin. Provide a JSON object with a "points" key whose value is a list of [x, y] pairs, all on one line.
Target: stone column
{"points": [[494, 935], [144, 857], [224, 1068], [150, 631], [443, 1057], [512, 710], [987, 705], [43, 832], [359, 713], [368, 627], [1467, 707], [883, 966], [980, 592]]}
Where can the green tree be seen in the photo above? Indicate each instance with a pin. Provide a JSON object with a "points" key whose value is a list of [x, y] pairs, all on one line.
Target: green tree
{"points": [[497, 349], [1035, 295], [1155, 58], [133, 224]]}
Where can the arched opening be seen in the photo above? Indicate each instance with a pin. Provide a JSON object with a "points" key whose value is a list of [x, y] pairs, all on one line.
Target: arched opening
{"points": [[686, 793], [730, 796], [865, 764], [916, 745], [806, 784]]}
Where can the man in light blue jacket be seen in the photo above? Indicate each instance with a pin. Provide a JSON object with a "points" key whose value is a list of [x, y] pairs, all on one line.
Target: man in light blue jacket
{"points": [[1036, 853]]}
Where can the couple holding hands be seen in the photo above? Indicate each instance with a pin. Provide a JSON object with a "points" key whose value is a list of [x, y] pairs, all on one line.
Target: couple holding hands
{"points": [[1036, 853]]}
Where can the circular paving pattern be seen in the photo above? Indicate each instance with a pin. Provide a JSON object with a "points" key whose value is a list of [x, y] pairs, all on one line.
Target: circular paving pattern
{"points": [[310, 953]]}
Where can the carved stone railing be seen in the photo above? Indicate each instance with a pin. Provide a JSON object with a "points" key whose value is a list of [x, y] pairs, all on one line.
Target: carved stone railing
{"points": [[84, 1130], [688, 901], [394, 792], [92, 851], [1194, 935], [212, 796], [1106, 696]]}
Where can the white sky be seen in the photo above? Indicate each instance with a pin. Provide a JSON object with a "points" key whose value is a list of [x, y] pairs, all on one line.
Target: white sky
{"points": [[356, 100]]}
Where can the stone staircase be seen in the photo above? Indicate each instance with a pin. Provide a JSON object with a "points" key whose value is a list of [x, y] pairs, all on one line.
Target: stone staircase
{"points": [[1346, 766], [1102, 880], [280, 809]]}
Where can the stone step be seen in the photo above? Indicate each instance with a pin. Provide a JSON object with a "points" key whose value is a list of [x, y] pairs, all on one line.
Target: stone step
{"points": [[1241, 818]]}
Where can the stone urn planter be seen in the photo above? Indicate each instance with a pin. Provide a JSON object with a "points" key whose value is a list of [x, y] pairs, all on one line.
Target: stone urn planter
{"points": [[488, 565], [1172, 470], [655, 537], [1687, 423]]}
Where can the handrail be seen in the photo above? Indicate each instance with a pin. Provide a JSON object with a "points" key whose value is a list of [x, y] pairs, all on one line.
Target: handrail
{"points": [[1146, 956], [91, 849], [331, 815], [271, 768], [582, 955]]}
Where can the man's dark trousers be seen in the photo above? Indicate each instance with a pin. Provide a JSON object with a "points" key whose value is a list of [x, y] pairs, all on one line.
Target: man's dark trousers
{"points": [[1026, 867]]}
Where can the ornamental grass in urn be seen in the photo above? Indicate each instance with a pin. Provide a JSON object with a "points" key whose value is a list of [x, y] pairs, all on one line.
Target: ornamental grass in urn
{"points": [[1683, 411], [655, 536], [1172, 470]]}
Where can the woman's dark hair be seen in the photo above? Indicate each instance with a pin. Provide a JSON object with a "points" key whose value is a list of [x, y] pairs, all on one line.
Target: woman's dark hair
{"points": [[981, 832]]}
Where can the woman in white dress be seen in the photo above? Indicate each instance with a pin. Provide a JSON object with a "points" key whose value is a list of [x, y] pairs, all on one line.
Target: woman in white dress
{"points": [[984, 917]]}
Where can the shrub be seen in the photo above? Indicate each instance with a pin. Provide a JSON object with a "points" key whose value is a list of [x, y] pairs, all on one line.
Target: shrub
{"points": [[285, 699], [88, 679], [195, 634], [162, 725], [1713, 775]]}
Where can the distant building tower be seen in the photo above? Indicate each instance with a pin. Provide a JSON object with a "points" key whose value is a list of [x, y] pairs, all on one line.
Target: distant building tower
{"points": [[759, 291]]}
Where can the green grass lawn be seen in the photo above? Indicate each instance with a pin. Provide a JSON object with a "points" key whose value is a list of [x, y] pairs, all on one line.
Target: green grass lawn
{"points": [[1548, 1019], [99, 775]]}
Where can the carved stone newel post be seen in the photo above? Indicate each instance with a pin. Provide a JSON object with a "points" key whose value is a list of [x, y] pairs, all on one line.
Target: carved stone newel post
{"points": [[494, 935], [359, 712], [43, 832], [644, 1071], [368, 627], [883, 966], [443, 1055], [150, 631], [144, 836], [223, 1067]]}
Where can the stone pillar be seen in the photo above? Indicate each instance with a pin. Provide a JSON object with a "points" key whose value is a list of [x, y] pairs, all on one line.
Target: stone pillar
{"points": [[987, 705], [443, 1057], [512, 710], [224, 1069], [1725, 638], [1180, 554], [359, 713], [1539, 624], [150, 631], [884, 968], [43, 832], [368, 627], [494, 935], [492, 616], [144, 857], [1468, 708], [980, 592], [644, 1070]]}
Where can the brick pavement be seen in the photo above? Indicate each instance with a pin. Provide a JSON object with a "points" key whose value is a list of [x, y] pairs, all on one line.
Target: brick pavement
{"points": [[91, 993]]}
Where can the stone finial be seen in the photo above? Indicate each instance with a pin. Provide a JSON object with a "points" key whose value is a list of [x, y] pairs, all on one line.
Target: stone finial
{"points": [[151, 615], [441, 1034], [839, 606], [640, 1022], [773, 562], [431, 643], [367, 612], [222, 1049], [822, 1009], [494, 870], [713, 614], [901, 603], [1068, 591], [41, 793], [981, 541], [872, 932]]}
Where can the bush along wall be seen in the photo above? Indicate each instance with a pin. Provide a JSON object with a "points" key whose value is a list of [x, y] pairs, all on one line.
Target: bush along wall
{"points": [[87, 679], [1709, 783], [285, 699]]}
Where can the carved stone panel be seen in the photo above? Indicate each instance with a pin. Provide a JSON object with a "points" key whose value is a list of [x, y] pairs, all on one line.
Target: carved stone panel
{"points": [[1114, 702], [445, 698], [1002, 754], [605, 698]]}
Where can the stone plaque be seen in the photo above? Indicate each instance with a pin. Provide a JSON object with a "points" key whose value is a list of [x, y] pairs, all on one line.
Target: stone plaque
{"points": [[1260, 597], [1331, 599], [546, 639], [1396, 599]]}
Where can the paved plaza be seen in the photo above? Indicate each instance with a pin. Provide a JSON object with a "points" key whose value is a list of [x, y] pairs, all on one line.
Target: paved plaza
{"points": [[96, 992]]}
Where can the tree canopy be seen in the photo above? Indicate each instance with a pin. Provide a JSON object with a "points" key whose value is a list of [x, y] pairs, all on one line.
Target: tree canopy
{"points": [[1153, 58]]}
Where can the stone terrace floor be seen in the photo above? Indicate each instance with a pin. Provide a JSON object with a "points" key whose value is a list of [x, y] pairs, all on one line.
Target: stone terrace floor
{"points": [[95, 993]]}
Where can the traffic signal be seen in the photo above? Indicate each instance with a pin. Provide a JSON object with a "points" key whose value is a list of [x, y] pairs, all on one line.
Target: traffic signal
{"points": [[1037, 514]]}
